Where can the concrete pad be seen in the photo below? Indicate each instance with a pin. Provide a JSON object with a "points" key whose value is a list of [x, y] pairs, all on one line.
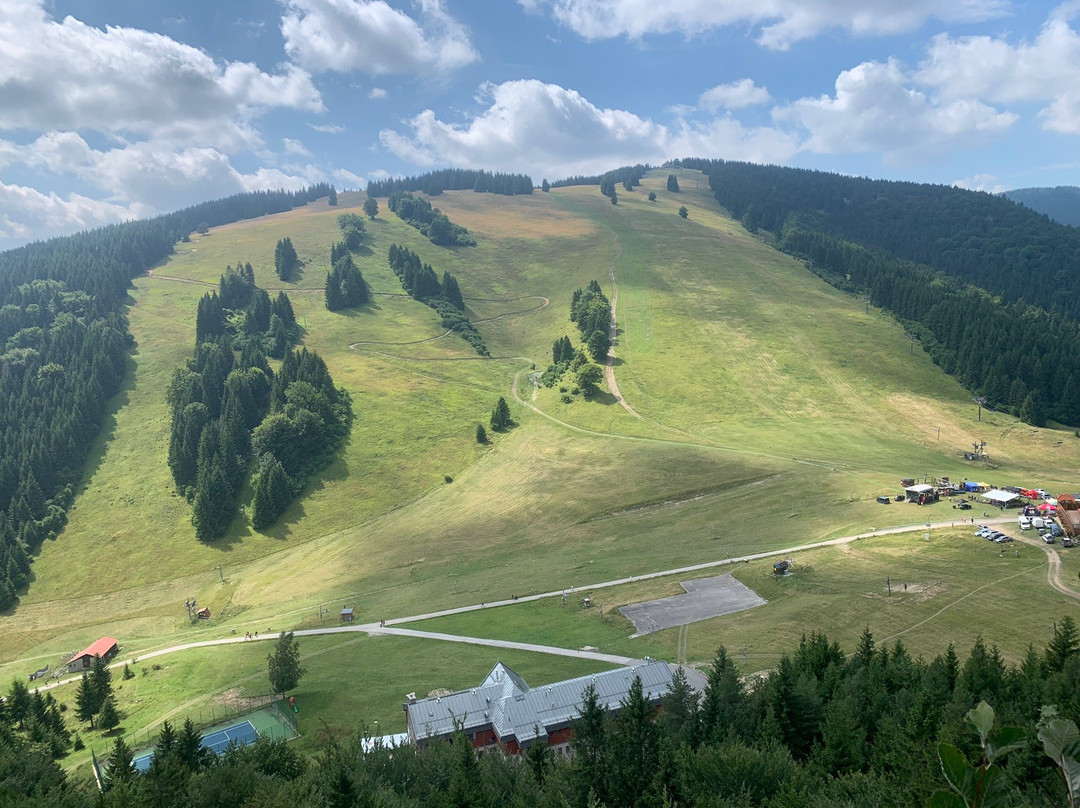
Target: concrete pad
{"points": [[704, 598]]}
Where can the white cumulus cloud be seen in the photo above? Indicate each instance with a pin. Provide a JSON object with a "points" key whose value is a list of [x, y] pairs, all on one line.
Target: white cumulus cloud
{"points": [[779, 22], [1042, 71], [734, 95], [875, 108], [372, 37], [27, 214]]}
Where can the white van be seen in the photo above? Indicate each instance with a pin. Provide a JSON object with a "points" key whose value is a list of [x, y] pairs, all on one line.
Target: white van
{"points": [[1025, 523], [1037, 522]]}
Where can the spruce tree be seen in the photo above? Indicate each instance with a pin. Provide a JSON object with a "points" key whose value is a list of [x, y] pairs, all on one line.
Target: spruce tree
{"points": [[334, 300], [283, 308], [121, 764], [273, 492], [481, 434], [500, 416], [673, 183], [451, 291], [109, 718], [332, 200], [87, 704]]}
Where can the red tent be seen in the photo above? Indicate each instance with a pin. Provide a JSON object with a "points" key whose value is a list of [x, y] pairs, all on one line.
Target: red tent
{"points": [[1046, 506]]}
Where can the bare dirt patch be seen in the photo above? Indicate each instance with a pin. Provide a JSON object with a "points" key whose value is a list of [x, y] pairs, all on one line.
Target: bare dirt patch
{"points": [[233, 698], [910, 593]]}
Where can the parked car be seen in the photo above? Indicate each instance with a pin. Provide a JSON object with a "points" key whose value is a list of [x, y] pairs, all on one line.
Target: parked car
{"points": [[1054, 529], [1003, 539], [884, 500], [1066, 542], [1048, 539], [962, 505]]}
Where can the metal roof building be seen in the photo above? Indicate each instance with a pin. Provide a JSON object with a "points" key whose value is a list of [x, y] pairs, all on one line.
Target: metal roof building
{"points": [[504, 710]]}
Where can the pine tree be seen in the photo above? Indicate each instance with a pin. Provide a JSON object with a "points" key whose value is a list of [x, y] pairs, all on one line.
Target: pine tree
{"points": [[683, 212], [285, 259], [451, 291], [673, 183], [334, 299], [590, 763], [1064, 644], [283, 664], [332, 201], [87, 704], [545, 186], [121, 764], [614, 197], [500, 416], [109, 717], [283, 309], [273, 492], [101, 681], [481, 434]]}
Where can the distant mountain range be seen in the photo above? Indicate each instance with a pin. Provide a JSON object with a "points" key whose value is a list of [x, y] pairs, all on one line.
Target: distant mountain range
{"points": [[1062, 204]]}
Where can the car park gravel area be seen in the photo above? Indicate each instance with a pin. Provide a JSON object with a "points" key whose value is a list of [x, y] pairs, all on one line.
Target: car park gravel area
{"points": [[704, 598]]}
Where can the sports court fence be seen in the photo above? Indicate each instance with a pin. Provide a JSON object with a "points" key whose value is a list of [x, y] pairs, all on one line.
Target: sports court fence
{"points": [[215, 714]]}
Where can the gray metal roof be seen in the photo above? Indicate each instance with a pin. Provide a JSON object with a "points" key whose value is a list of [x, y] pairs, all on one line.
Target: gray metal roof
{"points": [[516, 711]]}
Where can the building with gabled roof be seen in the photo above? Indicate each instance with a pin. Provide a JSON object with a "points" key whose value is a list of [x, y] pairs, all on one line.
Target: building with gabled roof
{"points": [[106, 648], [504, 711]]}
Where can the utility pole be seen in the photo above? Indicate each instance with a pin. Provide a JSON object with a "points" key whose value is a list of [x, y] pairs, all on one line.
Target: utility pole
{"points": [[980, 400], [888, 585]]}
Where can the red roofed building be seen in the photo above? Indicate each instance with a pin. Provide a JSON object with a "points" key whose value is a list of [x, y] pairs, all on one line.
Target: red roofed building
{"points": [[105, 648]]}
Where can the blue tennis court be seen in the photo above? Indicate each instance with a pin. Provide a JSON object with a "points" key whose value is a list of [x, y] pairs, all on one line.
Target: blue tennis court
{"points": [[217, 742]]}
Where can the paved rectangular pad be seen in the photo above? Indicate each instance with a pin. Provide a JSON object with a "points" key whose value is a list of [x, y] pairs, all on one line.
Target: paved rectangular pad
{"points": [[704, 598]]}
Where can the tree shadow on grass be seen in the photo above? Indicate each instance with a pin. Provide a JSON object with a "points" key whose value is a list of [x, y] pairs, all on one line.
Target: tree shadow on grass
{"points": [[607, 399], [617, 361]]}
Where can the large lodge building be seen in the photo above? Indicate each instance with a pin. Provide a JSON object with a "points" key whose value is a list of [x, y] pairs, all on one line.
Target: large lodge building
{"points": [[503, 711]]}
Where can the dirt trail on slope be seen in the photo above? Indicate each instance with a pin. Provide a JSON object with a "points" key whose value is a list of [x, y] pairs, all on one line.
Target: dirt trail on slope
{"points": [[609, 360]]}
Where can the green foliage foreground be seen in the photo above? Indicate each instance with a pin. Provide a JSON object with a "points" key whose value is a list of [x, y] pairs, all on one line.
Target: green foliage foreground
{"points": [[871, 728]]}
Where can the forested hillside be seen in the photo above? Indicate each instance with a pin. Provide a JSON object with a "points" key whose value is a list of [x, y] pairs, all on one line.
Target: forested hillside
{"points": [[64, 338], [978, 238], [1062, 204], [988, 286], [871, 728]]}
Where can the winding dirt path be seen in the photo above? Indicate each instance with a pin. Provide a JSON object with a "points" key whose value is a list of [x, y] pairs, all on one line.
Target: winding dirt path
{"points": [[609, 360]]}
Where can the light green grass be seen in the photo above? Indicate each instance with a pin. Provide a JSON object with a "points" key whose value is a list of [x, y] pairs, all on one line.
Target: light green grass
{"points": [[761, 429], [958, 586]]}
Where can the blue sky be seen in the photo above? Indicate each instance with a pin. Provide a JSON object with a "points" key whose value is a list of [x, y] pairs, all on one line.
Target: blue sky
{"points": [[114, 109]]}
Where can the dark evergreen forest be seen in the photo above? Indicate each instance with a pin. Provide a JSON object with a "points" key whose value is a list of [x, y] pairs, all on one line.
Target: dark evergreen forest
{"points": [[65, 340], [455, 179], [432, 222], [866, 729], [1062, 203], [991, 288]]}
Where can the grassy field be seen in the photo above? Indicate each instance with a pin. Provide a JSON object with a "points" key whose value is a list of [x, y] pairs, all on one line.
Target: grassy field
{"points": [[774, 409], [901, 587]]}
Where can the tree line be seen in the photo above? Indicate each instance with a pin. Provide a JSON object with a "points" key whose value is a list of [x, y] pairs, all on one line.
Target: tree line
{"points": [[421, 283], [978, 238], [432, 222], [1018, 349], [63, 352], [609, 179], [228, 407], [867, 729], [591, 310], [454, 179]]}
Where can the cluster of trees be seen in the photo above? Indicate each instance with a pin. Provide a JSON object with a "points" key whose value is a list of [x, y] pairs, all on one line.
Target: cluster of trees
{"points": [[345, 286], [591, 310], [565, 359], [983, 283], [432, 222], [825, 728], [353, 228], [673, 183], [63, 345], [421, 283], [228, 406], [454, 179], [95, 699], [285, 259], [35, 720]]}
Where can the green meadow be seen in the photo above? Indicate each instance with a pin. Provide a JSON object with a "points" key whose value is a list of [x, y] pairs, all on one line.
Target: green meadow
{"points": [[773, 410]]}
